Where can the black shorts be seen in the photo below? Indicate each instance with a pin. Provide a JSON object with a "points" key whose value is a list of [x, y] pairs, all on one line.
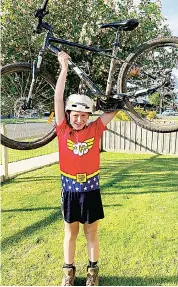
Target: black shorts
{"points": [[85, 207]]}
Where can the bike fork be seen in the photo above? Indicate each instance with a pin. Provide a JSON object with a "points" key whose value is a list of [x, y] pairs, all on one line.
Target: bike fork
{"points": [[36, 67], [32, 82]]}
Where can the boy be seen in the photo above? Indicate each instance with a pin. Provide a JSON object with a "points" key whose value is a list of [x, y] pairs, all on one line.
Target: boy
{"points": [[79, 167]]}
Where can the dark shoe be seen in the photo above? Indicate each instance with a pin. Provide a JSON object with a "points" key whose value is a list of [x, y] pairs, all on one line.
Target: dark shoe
{"points": [[69, 276], [92, 276]]}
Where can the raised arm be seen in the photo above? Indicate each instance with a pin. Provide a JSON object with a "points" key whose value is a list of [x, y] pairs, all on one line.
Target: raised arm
{"points": [[60, 86], [107, 117]]}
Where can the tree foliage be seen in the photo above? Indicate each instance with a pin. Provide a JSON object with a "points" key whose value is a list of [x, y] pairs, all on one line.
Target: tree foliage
{"points": [[77, 20]]}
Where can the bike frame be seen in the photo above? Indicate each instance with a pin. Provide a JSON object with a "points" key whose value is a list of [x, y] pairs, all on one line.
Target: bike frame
{"points": [[93, 87], [47, 44]]}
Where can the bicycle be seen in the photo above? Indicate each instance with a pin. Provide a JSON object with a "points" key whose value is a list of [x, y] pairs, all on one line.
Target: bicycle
{"points": [[145, 79]]}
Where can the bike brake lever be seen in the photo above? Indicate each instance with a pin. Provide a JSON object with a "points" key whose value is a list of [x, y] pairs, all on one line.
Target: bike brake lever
{"points": [[46, 13], [40, 13], [40, 27]]}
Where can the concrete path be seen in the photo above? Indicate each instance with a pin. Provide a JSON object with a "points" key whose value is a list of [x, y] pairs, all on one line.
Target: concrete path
{"points": [[30, 164]]}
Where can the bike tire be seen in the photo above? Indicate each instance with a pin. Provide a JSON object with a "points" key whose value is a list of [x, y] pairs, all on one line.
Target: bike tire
{"points": [[12, 73], [124, 80]]}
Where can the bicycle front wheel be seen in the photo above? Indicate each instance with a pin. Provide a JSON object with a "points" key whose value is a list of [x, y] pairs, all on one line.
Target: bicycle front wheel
{"points": [[29, 124], [149, 77]]}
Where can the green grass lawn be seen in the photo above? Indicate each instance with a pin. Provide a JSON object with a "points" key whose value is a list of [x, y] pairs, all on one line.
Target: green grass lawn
{"points": [[138, 236]]}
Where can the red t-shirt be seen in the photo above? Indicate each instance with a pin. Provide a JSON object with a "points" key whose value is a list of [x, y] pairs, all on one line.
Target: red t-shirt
{"points": [[79, 152]]}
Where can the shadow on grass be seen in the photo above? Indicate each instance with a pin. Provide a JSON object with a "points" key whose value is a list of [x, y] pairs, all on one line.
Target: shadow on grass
{"points": [[131, 281], [150, 173], [29, 230], [30, 179], [109, 205], [136, 193], [30, 209]]}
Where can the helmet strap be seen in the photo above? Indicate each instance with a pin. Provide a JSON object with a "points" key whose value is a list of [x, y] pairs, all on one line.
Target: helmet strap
{"points": [[67, 114]]}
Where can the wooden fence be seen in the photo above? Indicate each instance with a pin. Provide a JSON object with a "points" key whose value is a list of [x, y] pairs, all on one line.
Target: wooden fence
{"points": [[121, 137], [129, 137]]}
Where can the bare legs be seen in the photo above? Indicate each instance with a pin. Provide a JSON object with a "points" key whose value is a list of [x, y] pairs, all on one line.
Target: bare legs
{"points": [[71, 233], [91, 234]]}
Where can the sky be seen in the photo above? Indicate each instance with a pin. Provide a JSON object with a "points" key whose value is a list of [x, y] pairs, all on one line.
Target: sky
{"points": [[170, 12]]}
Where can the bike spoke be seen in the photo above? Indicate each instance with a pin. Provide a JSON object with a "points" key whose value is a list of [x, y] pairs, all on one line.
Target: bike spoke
{"points": [[26, 121], [149, 81]]}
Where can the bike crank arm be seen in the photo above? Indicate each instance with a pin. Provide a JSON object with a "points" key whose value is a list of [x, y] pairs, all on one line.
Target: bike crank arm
{"points": [[147, 92]]}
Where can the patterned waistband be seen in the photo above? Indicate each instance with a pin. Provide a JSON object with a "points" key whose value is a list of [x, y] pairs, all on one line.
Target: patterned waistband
{"points": [[71, 184], [80, 177]]}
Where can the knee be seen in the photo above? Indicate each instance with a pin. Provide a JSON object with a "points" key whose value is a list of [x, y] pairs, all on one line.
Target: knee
{"points": [[71, 236], [91, 235]]}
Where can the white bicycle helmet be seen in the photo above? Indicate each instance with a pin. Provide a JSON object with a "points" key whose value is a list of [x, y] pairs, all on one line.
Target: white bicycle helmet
{"points": [[80, 103]]}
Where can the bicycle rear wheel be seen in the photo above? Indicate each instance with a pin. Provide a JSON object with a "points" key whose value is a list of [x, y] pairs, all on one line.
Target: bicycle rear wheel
{"points": [[27, 127], [150, 79]]}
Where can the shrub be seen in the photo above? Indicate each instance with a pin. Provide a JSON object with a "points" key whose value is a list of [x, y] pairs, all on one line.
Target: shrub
{"points": [[122, 116], [151, 115], [141, 112]]}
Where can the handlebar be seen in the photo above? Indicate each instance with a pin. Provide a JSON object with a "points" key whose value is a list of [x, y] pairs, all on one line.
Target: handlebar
{"points": [[43, 6], [40, 14]]}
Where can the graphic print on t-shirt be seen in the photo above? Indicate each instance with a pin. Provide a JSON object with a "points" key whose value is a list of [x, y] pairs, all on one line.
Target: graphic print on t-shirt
{"points": [[80, 148]]}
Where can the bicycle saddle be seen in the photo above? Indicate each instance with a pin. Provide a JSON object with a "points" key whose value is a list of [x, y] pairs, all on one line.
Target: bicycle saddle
{"points": [[126, 25]]}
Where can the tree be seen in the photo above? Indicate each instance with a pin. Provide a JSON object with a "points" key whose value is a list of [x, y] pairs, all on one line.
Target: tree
{"points": [[77, 21]]}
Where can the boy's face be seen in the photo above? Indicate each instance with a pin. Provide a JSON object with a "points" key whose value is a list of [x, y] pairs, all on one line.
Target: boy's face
{"points": [[78, 119]]}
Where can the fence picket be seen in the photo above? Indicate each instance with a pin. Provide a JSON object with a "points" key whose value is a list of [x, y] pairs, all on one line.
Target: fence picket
{"points": [[127, 136]]}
